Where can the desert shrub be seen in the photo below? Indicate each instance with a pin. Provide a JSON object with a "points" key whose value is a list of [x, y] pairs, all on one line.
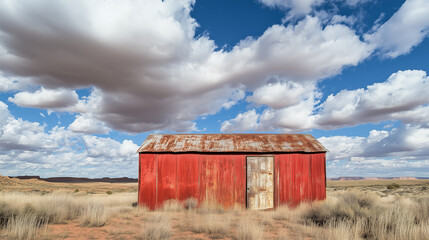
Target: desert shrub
{"points": [[109, 192], [364, 216], [212, 224], [348, 207], [76, 190], [319, 214], [190, 203], [249, 230], [94, 215], [393, 186], [159, 228]]}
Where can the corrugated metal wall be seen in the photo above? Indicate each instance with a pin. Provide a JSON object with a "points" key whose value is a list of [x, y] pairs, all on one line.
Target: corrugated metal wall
{"points": [[222, 177], [299, 178]]}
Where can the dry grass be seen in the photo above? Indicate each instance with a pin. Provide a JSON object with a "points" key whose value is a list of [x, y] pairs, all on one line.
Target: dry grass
{"points": [[158, 229], [22, 227], [94, 215], [172, 205], [22, 214], [212, 224], [249, 230], [210, 207], [357, 215]]}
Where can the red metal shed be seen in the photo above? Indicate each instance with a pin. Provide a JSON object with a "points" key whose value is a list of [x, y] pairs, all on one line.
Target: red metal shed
{"points": [[258, 171]]}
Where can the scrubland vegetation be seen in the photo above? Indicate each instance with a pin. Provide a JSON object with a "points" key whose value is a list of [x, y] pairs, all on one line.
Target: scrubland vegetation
{"points": [[380, 212]]}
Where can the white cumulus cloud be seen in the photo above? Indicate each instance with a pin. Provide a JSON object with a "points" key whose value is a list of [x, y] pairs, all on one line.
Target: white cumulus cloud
{"points": [[404, 30], [46, 98], [88, 124]]}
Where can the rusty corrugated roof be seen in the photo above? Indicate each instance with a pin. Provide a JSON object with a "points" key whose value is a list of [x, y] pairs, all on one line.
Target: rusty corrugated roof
{"points": [[211, 143]]}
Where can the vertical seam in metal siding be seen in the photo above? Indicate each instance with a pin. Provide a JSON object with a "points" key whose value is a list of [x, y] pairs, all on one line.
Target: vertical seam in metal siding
{"points": [[274, 182], [324, 166], [156, 181], [245, 192], [199, 177], [310, 179], [177, 178]]}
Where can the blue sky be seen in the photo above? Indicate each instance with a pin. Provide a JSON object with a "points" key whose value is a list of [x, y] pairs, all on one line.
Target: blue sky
{"points": [[83, 83]]}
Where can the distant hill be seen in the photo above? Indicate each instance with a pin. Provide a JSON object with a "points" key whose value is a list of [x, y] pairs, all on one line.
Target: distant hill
{"points": [[374, 178], [80, 180]]}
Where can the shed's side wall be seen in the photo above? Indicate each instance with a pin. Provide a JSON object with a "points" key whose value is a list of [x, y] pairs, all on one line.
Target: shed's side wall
{"points": [[220, 178], [299, 178]]}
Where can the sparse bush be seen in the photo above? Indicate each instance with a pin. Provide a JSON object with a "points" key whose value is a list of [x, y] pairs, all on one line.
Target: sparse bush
{"points": [[393, 186], [190, 203], [109, 192], [76, 190]]}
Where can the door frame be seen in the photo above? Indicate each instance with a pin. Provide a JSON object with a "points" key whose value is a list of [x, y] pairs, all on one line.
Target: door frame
{"points": [[274, 179]]}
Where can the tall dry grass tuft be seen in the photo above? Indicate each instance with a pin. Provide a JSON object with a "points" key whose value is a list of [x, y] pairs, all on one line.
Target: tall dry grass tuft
{"points": [[344, 230], [212, 224], [22, 227], [249, 230], [94, 215], [158, 228]]}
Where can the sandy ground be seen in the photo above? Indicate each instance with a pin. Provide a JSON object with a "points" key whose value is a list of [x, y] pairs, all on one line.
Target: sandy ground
{"points": [[132, 227]]}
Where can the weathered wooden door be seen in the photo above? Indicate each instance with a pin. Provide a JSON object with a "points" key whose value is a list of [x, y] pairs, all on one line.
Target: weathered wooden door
{"points": [[260, 182]]}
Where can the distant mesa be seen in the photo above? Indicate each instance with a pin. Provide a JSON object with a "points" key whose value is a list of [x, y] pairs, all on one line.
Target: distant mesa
{"points": [[373, 178], [81, 180]]}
